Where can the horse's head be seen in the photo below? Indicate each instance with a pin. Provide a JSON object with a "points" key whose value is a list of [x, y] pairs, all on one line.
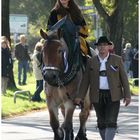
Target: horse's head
{"points": [[54, 55]]}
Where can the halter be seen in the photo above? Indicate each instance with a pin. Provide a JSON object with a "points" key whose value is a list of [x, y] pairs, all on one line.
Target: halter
{"points": [[74, 57], [66, 78]]}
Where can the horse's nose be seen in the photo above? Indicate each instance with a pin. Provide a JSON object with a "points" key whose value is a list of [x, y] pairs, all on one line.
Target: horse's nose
{"points": [[51, 75]]}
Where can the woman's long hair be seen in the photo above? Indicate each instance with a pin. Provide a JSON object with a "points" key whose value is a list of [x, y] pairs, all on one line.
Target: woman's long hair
{"points": [[72, 9]]}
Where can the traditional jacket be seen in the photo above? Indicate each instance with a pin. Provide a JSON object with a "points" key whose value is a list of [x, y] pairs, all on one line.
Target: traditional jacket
{"points": [[117, 79]]}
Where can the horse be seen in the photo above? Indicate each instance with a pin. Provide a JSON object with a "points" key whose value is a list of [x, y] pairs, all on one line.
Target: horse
{"points": [[62, 80]]}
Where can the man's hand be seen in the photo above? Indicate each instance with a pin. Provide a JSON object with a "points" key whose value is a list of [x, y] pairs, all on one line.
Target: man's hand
{"points": [[126, 101]]}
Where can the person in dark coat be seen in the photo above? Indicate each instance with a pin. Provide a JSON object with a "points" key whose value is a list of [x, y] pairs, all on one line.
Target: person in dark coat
{"points": [[7, 64], [135, 62], [21, 53]]}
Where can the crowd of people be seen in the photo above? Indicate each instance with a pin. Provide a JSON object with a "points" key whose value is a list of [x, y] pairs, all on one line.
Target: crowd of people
{"points": [[23, 57], [130, 58], [107, 74]]}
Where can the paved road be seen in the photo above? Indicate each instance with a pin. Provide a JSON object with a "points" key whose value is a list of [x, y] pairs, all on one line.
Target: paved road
{"points": [[35, 126]]}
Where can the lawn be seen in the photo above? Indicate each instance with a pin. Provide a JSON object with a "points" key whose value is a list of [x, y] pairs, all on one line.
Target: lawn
{"points": [[22, 105], [134, 86]]}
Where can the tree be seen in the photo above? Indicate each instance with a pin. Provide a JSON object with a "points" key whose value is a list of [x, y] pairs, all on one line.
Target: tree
{"points": [[113, 20], [6, 32], [5, 19], [130, 32]]}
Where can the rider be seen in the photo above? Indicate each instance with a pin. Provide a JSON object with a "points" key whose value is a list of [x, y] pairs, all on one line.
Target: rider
{"points": [[70, 8]]}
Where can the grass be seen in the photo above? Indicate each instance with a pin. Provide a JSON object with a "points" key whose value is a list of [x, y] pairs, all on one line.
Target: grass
{"points": [[134, 88], [9, 108]]}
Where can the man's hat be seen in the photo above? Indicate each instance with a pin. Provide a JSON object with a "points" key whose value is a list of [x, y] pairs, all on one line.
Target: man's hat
{"points": [[103, 39]]}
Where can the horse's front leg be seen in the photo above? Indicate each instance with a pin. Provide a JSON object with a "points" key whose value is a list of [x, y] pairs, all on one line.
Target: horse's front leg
{"points": [[53, 112], [67, 125], [83, 116]]}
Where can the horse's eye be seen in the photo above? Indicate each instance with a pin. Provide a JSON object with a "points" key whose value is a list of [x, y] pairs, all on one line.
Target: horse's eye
{"points": [[60, 51]]}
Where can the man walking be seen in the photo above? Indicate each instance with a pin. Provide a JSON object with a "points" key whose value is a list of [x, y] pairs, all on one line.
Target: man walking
{"points": [[21, 53], [108, 83]]}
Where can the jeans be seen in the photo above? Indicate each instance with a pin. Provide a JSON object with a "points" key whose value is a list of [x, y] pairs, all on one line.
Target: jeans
{"points": [[22, 65], [39, 88], [127, 66], [106, 111]]}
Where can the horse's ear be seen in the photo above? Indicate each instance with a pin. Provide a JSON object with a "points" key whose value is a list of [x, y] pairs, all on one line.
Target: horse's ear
{"points": [[43, 34]]}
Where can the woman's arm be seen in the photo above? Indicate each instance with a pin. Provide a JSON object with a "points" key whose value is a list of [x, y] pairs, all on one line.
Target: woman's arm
{"points": [[52, 19]]}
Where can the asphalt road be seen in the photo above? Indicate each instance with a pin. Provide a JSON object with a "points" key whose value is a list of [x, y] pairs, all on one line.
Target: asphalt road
{"points": [[35, 126]]}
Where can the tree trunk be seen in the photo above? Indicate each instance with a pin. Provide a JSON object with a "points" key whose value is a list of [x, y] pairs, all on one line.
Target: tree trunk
{"points": [[6, 32], [5, 19], [114, 23]]}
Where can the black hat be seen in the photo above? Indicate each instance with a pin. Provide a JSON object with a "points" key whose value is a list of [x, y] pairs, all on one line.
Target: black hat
{"points": [[103, 39]]}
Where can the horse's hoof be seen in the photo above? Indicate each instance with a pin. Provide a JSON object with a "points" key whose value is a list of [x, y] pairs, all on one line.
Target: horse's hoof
{"points": [[60, 134], [81, 138]]}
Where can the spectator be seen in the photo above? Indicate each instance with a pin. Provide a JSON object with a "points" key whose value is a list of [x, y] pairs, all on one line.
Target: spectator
{"points": [[21, 53], [11, 81], [108, 82], [111, 50], [6, 64], [127, 57], [37, 71], [4, 38], [134, 64]]}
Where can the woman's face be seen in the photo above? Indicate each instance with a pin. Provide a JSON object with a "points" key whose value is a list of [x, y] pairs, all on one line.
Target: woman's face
{"points": [[65, 2]]}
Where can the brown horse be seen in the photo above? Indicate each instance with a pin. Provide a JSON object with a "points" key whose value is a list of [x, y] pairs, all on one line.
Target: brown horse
{"points": [[62, 81]]}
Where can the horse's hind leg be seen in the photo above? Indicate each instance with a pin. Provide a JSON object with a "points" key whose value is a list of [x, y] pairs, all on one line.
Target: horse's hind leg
{"points": [[83, 116]]}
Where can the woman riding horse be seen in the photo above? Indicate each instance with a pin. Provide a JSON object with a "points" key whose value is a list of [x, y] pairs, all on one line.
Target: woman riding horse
{"points": [[70, 8], [64, 82]]}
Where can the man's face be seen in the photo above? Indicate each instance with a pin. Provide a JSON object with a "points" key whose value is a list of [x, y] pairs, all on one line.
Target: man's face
{"points": [[103, 48], [23, 40]]}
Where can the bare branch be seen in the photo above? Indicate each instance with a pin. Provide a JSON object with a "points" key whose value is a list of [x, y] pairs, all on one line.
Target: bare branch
{"points": [[100, 9]]}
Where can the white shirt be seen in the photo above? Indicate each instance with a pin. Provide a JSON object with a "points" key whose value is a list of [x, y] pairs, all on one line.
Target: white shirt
{"points": [[103, 81]]}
